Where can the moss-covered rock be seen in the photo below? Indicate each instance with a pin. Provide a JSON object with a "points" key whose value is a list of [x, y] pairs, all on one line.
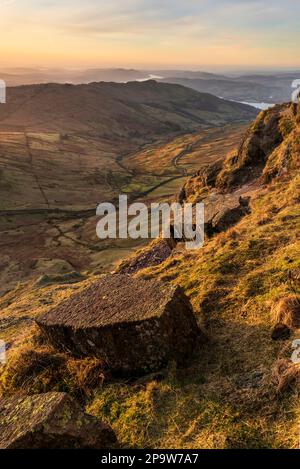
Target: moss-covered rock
{"points": [[52, 421], [133, 325]]}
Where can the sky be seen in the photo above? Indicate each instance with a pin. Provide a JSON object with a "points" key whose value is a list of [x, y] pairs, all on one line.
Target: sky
{"points": [[193, 34]]}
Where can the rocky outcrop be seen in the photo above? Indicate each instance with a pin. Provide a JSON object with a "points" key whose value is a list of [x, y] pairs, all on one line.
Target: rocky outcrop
{"points": [[134, 325], [204, 178], [266, 149], [229, 215], [208, 175], [269, 148], [223, 211], [50, 421], [154, 254]]}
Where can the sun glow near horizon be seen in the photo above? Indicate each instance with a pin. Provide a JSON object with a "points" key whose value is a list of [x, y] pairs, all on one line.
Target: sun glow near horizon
{"points": [[149, 33]]}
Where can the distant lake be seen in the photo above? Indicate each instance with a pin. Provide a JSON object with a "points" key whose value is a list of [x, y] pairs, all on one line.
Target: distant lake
{"points": [[150, 77], [262, 106]]}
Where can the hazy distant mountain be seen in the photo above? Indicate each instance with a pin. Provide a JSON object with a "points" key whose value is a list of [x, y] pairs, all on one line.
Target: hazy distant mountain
{"points": [[232, 89], [269, 88], [189, 74], [112, 109], [29, 76], [250, 88]]}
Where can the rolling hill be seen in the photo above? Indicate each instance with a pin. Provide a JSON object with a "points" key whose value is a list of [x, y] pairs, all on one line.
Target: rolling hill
{"points": [[64, 149], [268, 87], [115, 110], [64, 146]]}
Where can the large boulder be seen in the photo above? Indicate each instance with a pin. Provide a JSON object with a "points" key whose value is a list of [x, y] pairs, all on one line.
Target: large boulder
{"points": [[133, 325], [50, 421]]}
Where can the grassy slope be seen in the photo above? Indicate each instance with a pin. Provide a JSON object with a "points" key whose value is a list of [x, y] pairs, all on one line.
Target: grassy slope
{"points": [[226, 396], [232, 283]]}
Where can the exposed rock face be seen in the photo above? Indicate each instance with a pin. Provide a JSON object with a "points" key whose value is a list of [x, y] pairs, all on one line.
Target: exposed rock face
{"points": [[154, 254], [209, 174], [134, 325], [229, 216], [269, 149], [266, 149], [50, 421], [223, 211], [204, 178]]}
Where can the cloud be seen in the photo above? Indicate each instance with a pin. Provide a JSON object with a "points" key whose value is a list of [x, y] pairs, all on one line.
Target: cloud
{"points": [[227, 28], [6, 2], [189, 16]]}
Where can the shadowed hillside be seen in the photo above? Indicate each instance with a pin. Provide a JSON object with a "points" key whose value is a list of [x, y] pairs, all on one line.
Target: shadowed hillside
{"points": [[115, 110]]}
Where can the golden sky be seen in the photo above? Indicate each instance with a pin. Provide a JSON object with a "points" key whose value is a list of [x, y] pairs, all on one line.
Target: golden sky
{"points": [[150, 33]]}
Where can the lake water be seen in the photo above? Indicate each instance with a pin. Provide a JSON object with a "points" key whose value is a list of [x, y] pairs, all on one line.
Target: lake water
{"points": [[151, 77], [262, 106]]}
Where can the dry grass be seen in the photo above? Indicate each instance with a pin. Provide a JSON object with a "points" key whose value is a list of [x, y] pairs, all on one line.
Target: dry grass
{"points": [[227, 397], [233, 394], [286, 376], [35, 367], [287, 311]]}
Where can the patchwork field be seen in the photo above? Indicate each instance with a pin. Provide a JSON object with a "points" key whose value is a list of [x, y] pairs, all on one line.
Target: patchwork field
{"points": [[51, 183]]}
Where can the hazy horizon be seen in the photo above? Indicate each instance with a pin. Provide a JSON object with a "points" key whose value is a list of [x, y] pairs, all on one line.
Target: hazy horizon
{"points": [[201, 68]]}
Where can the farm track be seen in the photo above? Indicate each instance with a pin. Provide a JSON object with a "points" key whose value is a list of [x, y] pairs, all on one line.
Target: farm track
{"points": [[27, 142]]}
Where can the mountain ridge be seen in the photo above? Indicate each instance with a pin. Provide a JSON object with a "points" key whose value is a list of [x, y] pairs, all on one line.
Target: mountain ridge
{"points": [[116, 108]]}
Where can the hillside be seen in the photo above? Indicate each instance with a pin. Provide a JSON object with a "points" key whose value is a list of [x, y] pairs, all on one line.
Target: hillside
{"points": [[64, 146], [272, 87], [240, 389], [72, 175], [115, 110], [65, 149]]}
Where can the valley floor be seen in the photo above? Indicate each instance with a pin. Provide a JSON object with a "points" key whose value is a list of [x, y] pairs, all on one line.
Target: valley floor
{"points": [[230, 394], [50, 186]]}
